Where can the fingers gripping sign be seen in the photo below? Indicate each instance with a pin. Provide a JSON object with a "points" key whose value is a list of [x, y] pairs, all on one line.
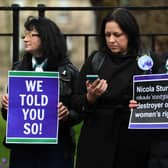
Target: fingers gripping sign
{"points": [[63, 111]]}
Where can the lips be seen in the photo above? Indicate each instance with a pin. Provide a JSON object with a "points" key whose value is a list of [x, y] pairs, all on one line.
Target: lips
{"points": [[111, 45], [114, 47], [27, 45]]}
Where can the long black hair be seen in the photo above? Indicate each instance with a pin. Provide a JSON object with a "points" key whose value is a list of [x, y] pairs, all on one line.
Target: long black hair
{"points": [[128, 24], [53, 43]]}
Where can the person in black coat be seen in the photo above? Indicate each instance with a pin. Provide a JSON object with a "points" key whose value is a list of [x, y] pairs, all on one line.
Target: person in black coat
{"points": [[158, 154], [105, 140], [45, 50]]}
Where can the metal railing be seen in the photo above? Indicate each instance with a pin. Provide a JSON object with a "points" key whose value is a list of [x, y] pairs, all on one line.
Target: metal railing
{"points": [[41, 9]]}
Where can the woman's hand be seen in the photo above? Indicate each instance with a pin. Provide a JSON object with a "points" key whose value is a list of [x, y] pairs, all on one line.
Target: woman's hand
{"points": [[63, 111], [133, 104], [5, 101], [95, 89]]}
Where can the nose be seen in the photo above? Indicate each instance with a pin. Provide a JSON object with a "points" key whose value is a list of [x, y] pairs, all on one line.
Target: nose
{"points": [[26, 38], [112, 38]]}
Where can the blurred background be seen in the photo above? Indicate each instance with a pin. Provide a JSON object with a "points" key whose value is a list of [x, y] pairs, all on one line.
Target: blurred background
{"points": [[76, 22]]}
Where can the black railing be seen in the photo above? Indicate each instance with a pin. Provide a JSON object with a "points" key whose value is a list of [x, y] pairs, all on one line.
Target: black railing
{"points": [[41, 9]]}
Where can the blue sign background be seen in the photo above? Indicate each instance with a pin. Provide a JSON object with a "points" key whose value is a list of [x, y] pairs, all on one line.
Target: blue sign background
{"points": [[48, 127]]}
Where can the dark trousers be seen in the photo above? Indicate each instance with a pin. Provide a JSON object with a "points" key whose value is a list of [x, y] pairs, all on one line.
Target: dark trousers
{"points": [[159, 155], [20, 158]]}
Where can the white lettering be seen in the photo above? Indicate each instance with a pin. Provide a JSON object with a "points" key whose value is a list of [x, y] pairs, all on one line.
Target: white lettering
{"points": [[32, 85]]}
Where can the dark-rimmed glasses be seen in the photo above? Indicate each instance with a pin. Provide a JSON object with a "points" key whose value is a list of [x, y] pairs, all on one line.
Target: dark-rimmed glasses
{"points": [[30, 34]]}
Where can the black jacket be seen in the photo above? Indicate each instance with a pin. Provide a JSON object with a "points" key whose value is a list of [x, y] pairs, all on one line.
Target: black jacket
{"points": [[66, 140], [159, 145], [105, 140]]}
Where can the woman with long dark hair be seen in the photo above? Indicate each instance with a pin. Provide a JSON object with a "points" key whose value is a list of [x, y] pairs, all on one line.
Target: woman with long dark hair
{"points": [[45, 50], [105, 140]]}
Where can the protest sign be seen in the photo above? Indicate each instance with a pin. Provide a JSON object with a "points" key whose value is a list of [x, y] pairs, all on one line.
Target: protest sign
{"points": [[151, 93], [32, 110]]}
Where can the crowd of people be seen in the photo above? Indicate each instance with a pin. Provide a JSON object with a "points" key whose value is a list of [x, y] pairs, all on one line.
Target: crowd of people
{"points": [[102, 105]]}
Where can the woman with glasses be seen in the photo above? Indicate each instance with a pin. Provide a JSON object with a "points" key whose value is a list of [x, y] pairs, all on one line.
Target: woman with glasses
{"points": [[105, 140], [45, 50]]}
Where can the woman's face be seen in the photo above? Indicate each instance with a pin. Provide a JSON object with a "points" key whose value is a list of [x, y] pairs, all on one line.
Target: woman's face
{"points": [[116, 39], [32, 42]]}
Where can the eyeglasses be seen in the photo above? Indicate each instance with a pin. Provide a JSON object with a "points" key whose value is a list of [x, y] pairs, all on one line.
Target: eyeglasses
{"points": [[30, 34]]}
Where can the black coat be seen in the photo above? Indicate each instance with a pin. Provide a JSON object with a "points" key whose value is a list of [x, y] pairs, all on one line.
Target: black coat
{"points": [[159, 145], [105, 140], [62, 153]]}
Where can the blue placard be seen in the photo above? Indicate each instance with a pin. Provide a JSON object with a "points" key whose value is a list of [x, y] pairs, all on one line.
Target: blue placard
{"points": [[151, 93], [32, 109]]}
